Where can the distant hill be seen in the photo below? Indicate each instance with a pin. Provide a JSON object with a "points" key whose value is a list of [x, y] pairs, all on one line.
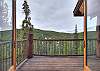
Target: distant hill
{"points": [[90, 34], [43, 34], [5, 35]]}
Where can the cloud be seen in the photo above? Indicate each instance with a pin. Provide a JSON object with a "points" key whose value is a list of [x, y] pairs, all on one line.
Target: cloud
{"points": [[53, 14]]}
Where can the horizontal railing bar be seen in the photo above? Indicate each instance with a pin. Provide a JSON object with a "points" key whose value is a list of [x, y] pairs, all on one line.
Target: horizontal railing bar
{"points": [[55, 55], [22, 40], [47, 40], [5, 59], [6, 42], [61, 39]]}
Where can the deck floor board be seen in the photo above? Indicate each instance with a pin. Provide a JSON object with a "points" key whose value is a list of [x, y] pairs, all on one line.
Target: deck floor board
{"points": [[70, 63]]}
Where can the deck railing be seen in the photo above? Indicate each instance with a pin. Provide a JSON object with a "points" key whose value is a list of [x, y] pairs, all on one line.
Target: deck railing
{"points": [[6, 54], [21, 51], [66, 47], [43, 47]]}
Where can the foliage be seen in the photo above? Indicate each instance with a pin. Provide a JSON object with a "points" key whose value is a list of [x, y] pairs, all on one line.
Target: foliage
{"points": [[26, 24], [26, 9], [41, 34]]}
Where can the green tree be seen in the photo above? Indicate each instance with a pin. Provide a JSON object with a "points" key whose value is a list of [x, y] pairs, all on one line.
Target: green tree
{"points": [[26, 21], [26, 9], [26, 24]]}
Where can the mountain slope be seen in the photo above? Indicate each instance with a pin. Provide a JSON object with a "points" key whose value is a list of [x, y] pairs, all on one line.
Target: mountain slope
{"points": [[42, 34]]}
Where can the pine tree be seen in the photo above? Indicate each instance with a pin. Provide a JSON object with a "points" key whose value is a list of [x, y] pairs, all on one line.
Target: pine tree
{"points": [[26, 22], [26, 9]]}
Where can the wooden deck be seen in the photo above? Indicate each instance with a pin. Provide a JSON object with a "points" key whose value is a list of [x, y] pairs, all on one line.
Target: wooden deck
{"points": [[70, 63], [94, 63]]}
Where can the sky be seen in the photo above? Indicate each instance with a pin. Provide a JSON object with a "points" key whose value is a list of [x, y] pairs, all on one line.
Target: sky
{"points": [[54, 15]]}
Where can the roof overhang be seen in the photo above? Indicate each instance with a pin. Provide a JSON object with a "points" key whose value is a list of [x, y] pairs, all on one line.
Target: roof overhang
{"points": [[79, 9]]}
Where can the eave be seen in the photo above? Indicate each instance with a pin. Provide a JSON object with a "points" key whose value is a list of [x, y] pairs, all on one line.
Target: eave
{"points": [[79, 9]]}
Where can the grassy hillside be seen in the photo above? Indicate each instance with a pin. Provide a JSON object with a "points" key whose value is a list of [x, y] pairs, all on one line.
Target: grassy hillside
{"points": [[38, 34], [42, 34], [5, 35], [90, 34]]}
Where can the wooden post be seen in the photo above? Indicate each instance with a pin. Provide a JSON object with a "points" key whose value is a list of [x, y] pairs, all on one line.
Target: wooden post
{"points": [[85, 35], [14, 34], [30, 45], [98, 41]]}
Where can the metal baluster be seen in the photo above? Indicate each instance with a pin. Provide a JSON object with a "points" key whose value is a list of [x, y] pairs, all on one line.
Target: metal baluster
{"points": [[67, 47], [0, 57], [9, 54], [95, 47], [39, 47], [54, 46], [88, 47], [46, 48], [36, 47], [92, 47], [71, 48], [60, 47], [33, 47], [3, 56], [63, 48], [6, 55], [22, 49], [20, 55], [49, 49]]}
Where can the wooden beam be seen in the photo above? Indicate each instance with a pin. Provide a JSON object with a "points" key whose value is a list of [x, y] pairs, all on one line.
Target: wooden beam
{"points": [[85, 34], [14, 34]]}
